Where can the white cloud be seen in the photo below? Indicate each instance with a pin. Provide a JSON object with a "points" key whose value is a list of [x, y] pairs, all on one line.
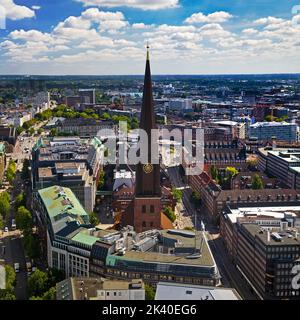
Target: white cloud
{"points": [[105, 41], [16, 12], [250, 31], [36, 7], [141, 25], [139, 4], [269, 20], [216, 17]]}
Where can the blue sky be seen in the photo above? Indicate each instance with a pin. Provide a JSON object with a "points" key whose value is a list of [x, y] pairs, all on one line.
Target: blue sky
{"points": [[186, 36]]}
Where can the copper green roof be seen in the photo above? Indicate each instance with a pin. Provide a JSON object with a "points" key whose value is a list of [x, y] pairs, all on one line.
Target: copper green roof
{"points": [[84, 238], [60, 202]]}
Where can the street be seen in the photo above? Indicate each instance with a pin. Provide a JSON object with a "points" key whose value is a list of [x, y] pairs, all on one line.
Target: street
{"points": [[230, 276], [14, 253]]}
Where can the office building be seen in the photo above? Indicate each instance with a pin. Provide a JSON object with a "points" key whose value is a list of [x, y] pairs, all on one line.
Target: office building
{"points": [[282, 163], [281, 131], [70, 162], [100, 289], [182, 292], [87, 96], [263, 243]]}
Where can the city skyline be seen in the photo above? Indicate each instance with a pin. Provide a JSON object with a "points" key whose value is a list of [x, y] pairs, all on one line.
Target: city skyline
{"points": [[101, 37]]}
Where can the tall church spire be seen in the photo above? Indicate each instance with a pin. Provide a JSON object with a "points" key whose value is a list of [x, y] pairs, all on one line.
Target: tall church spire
{"points": [[148, 177]]}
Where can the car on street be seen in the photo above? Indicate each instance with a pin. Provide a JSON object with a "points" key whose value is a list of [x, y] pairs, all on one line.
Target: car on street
{"points": [[6, 229], [13, 224], [17, 267]]}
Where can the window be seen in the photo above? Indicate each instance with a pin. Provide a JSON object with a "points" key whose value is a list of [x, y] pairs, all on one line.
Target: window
{"points": [[143, 209], [152, 208], [189, 292], [144, 224]]}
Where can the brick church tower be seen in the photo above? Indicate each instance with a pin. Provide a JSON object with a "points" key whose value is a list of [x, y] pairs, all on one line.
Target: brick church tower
{"points": [[145, 211]]}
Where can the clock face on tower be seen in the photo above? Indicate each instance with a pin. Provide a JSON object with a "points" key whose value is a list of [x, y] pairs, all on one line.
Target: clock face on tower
{"points": [[148, 168]]}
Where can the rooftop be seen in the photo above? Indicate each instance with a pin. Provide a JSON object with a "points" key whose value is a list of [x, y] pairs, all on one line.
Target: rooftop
{"points": [[286, 237], [88, 288], [61, 201], [174, 291], [204, 259]]}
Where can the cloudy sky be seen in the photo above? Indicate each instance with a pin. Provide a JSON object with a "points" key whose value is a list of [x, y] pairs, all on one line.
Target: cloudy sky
{"points": [[186, 36]]}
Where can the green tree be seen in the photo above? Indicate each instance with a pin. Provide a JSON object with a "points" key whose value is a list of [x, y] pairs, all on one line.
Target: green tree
{"points": [[19, 130], [106, 116], [10, 277], [31, 244], [170, 213], [37, 283], [4, 204], [53, 132], [214, 172], [31, 131], [231, 172], [177, 194], [50, 294], [20, 200], [94, 220], [101, 180], [40, 130], [257, 182], [149, 292], [25, 174], [24, 219], [1, 222], [7, 295], [11, 171]]}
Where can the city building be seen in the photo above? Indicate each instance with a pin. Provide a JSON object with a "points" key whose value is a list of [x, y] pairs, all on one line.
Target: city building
{"points": [[87, 96], [8, 134], [70, 162], [100, 289], [282, 163], [263, 242], [182, 105], [214, 199], [237, 129], [63, 227], [85, 128], [281, 131], [72, 245], [181, 292], [175, 256]]}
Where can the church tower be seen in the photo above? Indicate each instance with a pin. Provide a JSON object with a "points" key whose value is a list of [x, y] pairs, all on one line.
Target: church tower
{"points": [[145, 212]]}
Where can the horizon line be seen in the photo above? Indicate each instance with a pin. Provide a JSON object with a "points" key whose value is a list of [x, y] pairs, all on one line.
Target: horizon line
{"points": [[158, 74]]}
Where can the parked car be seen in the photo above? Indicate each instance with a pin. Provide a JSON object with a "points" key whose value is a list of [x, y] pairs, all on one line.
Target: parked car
{"points": [[13, 224], [17, 267], [6, 229]]}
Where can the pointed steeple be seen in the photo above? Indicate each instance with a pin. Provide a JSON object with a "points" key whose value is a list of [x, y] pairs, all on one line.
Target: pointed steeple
{"points": [[148, 184]]}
